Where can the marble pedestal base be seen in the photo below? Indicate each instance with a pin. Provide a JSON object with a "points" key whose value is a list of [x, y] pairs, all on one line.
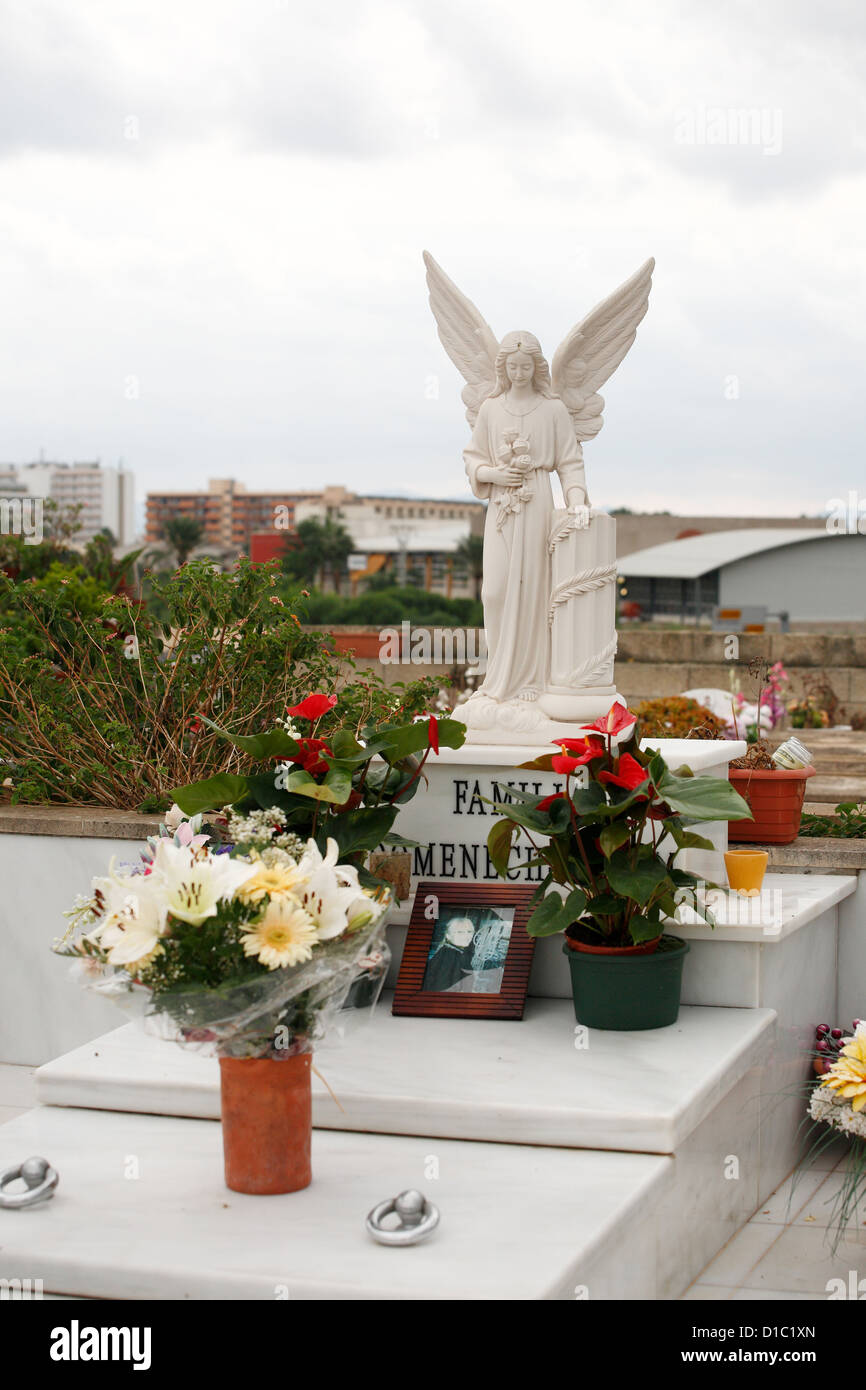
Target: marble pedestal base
{"points": [[563, 703], [558, 713]]}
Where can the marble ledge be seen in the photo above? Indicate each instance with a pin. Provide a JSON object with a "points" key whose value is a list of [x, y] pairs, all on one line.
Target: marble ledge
{"points": [[698, 754], [78, 822], [539, 1081], [517, 1222], [787, 902]]}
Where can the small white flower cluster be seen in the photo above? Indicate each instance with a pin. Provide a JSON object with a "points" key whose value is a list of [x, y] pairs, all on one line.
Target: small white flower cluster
{"points": [[258, 828], [291, 728], [838, 1113]]}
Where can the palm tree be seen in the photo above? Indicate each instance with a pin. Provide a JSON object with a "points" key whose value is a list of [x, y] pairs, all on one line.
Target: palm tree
{"points": [[470, 556], [318, 548], [183, 534]]}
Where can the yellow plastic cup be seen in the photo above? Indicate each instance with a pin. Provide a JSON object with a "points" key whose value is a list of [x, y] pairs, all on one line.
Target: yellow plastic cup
{"points": [[746, 869]]}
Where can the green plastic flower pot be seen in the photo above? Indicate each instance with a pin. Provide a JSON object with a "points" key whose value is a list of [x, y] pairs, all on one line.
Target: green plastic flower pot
{"points": [[625, 993]]}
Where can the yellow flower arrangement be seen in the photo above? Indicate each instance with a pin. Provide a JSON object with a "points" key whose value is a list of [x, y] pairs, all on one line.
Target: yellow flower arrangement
{"points": [[847, 1076]]}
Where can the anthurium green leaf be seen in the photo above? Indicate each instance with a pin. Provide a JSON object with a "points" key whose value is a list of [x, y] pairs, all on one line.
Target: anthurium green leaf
{"points": [[656, 766], [335, 788], [638, 883], [212, 794], [541, 889], [542, 764], [587, 800], [551, 916], [513, 794], [702, 798], [605, 905], [642, 929], [399, 741], [575, 904], [499, 843], [687, 839], [614, 835], [362, 829], [523, 815], [275, 743], [345, 746], [559, 813]]}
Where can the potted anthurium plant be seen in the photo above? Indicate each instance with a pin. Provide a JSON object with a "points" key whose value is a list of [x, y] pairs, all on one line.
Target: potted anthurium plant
{"points": [[609, 840], [320, 776]]}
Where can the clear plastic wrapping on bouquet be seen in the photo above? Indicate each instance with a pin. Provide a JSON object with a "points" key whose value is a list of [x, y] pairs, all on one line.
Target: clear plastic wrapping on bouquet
{"points": [[285, 1011]]}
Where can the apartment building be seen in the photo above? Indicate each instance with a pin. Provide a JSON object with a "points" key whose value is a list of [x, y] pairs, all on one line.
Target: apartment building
{"points": [[105, 494]]}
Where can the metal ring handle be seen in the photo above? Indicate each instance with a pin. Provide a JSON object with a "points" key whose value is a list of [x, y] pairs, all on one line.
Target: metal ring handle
{"points": [[418, 1219], [38, 1175]]}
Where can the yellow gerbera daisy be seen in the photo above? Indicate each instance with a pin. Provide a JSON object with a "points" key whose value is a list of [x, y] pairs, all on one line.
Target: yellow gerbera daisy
{"points": [[278, 881], [847, 1076], [285, 936]]}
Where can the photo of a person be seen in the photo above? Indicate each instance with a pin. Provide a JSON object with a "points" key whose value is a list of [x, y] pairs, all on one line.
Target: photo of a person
{"points": [[468, 951]]}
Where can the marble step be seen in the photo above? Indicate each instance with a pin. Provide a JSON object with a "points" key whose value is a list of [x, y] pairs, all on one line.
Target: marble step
{"points": [[539, 1081], [829, 789], [141, 1212]]}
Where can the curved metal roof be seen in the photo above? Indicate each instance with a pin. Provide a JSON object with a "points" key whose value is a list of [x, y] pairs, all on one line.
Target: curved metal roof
{"points": [[696, 555]]}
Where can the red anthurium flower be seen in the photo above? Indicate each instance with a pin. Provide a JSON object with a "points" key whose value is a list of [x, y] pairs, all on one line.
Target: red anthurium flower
{"points": [[593, 747], [616, 719], [309, 756], [433, 733], [629, 773], [548, 801], [578, 755], [564, 763], [313, 706]]}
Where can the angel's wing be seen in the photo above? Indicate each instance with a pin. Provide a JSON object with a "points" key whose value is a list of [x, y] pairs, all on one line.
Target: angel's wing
{"points": [[468, 340], [593, 350]]}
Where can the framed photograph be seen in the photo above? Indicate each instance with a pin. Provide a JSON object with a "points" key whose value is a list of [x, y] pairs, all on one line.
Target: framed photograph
{"points": [[467, 951]]}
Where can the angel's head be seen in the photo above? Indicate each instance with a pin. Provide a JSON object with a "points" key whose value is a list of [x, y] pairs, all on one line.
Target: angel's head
{"points": [[520, 361]]}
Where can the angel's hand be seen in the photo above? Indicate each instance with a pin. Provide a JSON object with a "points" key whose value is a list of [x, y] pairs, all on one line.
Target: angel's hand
{"points": [[502, 477], [581, 514]]}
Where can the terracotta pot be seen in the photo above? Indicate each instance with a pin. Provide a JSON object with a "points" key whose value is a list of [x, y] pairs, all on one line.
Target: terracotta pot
{"points": [[776, 802], [267, 1118], [645, 948]]}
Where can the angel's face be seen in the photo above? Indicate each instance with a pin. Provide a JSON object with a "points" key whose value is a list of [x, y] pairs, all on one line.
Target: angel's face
{"points": [[520, 368]]}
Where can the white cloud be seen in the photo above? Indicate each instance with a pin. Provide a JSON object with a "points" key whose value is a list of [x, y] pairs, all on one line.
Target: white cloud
{"points": [[252, 258]]}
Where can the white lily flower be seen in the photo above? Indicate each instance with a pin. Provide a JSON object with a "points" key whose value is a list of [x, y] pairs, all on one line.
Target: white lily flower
{"points": [[332, 895], [192, 881], [132, 916]]}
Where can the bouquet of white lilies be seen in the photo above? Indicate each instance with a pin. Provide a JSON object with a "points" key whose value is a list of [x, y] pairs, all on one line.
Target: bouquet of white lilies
{"points": [[252, 945]]}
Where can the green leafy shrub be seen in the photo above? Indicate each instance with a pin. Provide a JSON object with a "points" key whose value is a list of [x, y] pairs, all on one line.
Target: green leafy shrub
{"points": [[102, 702]]}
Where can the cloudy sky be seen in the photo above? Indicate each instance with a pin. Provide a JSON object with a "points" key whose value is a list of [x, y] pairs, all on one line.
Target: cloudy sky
{"points": [[212, 215]]}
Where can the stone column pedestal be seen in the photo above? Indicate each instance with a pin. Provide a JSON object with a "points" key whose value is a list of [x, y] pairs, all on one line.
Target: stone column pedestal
{"points": [[582, 618]]}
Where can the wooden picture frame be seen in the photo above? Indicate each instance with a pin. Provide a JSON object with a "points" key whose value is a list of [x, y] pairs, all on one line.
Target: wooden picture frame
{"points": [[433, 954]]}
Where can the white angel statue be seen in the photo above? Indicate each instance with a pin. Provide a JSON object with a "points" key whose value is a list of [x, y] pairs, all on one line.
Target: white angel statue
{"points": [[528, 424]]}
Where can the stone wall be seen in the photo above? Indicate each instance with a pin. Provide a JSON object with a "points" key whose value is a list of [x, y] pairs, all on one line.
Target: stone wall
{"points": [[655, 663]]}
